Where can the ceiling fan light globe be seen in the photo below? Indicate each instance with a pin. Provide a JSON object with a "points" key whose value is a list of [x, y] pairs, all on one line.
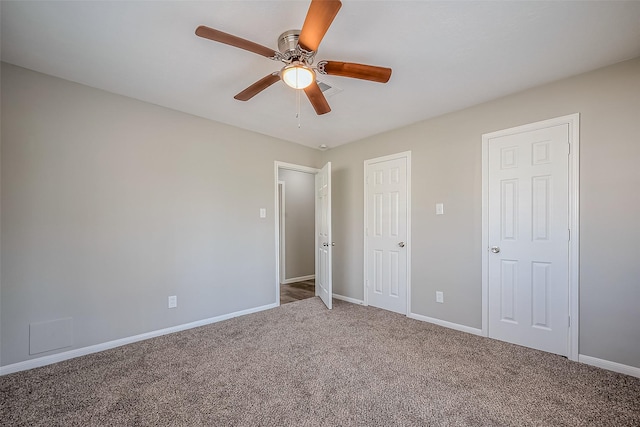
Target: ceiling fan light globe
{"points": [[298, 76]]}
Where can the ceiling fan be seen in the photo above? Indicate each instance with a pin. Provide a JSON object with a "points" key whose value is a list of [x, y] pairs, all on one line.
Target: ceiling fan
{"points": [[297, 49]]}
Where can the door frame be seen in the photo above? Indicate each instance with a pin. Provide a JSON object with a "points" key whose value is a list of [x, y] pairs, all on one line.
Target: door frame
{"points": [[280, 214], [288, 166], [573, 121], [405, 155]]}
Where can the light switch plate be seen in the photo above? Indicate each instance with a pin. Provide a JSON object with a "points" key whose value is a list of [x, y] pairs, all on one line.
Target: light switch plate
{"points": [[263, 213], [439, 209]]}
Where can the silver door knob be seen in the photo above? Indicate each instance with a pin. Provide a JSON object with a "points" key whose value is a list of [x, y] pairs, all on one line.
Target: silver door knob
{"points": [[401, 244], [333, 243], [495, 249]]}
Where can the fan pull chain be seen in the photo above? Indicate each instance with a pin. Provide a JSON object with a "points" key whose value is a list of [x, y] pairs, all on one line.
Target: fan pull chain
{"points": [[298, 107]]}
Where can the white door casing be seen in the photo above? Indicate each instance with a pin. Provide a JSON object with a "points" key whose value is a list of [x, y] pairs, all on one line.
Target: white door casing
{"points": [[324, 243], [387, 213], [282, 224], [289, 166], [527, 223]]}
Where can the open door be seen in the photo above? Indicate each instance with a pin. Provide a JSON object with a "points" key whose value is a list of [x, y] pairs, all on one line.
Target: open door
{"points": [[323, 235]]}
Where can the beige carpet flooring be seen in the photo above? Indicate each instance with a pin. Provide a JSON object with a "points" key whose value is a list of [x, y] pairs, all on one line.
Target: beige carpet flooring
{"points": [[303, 365]]}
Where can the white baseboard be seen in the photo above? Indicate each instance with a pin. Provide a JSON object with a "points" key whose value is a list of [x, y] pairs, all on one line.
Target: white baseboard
{"points": [[446, 324], [298, 279], [348, 299], [611, 366], [59, 357], [593, 361]]}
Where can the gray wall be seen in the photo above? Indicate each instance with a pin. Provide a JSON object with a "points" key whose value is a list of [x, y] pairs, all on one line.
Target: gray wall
{"points": [[299, 223], [110, 205], [446, 167]]}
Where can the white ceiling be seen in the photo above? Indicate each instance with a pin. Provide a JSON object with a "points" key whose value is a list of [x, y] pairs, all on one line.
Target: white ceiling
{"points": [[445, 56]]}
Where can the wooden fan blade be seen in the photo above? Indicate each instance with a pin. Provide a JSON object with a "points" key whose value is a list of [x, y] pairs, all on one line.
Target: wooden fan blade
{"points": [[317, 98], [319, 18], [257, 87], [357, 71], [231, 40]]}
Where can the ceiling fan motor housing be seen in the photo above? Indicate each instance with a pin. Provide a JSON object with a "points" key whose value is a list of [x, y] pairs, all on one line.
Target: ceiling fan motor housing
{"points": [[291, 50]]}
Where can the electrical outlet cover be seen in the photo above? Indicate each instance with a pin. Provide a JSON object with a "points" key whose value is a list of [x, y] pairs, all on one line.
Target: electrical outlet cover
{"points": [[173, 301]]}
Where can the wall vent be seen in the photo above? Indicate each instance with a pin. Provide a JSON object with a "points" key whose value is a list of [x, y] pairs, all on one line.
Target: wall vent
{"points": [[50, 335]]}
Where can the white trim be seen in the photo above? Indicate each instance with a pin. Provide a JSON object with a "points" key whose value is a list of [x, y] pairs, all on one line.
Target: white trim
{"points": [[611, 366], [485, 236], [298, 168], [574, 230], [365, 297], [450, 325], [277, 166], [573, 121], [348, 299], [55, 358], [407, 155], [298, 279], [283, 237]]}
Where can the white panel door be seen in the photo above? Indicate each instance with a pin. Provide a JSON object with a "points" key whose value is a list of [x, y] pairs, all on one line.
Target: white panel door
{"points": [[386, 234], [528, 235], [323, 235]]}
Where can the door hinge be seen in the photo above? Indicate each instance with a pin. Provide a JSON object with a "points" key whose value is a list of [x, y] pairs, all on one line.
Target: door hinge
{"points": [[569, 321]]}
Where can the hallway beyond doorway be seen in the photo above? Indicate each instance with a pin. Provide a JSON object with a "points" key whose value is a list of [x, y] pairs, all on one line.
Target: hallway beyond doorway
{"points": [[297, 291]]}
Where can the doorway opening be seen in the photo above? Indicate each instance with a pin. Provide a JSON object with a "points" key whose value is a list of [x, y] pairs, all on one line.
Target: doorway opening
{"points": [[295, 236]]}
